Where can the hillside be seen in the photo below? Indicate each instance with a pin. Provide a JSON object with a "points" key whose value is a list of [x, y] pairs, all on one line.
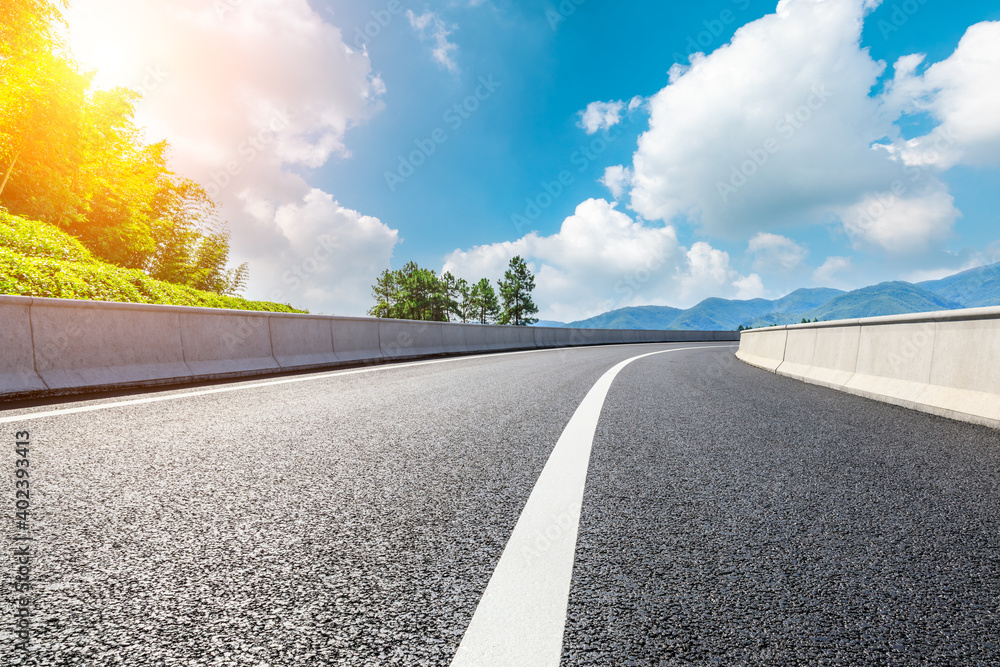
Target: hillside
{"points": [[642, 317], [973, 288], [969, 289], [37, 259]]}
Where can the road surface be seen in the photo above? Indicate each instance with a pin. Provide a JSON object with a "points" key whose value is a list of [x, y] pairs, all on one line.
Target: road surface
{"points": [[728, 516]]}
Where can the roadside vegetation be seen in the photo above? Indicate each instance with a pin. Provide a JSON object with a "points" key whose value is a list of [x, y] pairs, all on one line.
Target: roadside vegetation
{"points": [[37, 259], [89, 209], [413, 293]]}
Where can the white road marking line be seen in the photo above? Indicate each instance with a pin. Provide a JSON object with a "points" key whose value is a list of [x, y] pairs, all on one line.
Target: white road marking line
{"points": [[522, 615], [255, 385]]}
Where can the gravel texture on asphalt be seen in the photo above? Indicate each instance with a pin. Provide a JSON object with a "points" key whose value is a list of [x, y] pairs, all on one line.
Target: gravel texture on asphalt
{"points": [[733, 517], [349, 520]]}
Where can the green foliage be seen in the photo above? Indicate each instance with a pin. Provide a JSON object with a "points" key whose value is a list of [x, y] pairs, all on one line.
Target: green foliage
{"points": [[37, 239], [74, 157], [515, 291], [413, 293], [485, 307], [36, 259]]}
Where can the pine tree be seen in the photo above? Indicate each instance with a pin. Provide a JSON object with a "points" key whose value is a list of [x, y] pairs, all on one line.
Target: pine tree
{"points": [[515, 290], [483, 299]]}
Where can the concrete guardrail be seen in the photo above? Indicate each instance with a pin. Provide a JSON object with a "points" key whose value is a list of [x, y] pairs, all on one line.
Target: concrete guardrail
{"points": [[52, 347], [945, 363]]}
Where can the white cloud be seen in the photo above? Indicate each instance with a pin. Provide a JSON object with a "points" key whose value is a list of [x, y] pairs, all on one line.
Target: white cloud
{"points": [[432, 28], [241, 102], [602, 259], [616, 179], [751, 287], [962, 93], [901, 224], [601, 116], [776, 129], [332, 253], [826, 275], [772, 252]]}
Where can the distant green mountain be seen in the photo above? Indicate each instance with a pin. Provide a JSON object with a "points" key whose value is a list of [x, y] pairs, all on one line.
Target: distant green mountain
{"points": [[895, 298], [641, 317], [973, 288], [969, 289]]}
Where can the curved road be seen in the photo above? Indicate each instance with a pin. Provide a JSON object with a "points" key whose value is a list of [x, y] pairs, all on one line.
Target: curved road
{"points": [[729, 516]]}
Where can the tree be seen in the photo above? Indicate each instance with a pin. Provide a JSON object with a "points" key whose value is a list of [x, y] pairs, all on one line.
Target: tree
{"points": [[483, 301], [413, 293], [385, 291], [74, 158], [462, 299], [515, 291]]}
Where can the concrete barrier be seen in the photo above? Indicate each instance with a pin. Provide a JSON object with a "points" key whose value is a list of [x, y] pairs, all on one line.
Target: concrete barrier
{"points": [[83, 344], [17, 354], [61, 346], [227, 343], [945, 363], [477, 338], [301, 341], [765, 348], [405, 339], [355, 339]]}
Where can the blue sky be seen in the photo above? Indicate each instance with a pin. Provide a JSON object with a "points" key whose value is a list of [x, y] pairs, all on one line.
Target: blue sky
{"points": [[365, 84]]}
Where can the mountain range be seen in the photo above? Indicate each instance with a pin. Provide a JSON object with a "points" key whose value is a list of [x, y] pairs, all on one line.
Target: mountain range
{"points": [[969, 289]]}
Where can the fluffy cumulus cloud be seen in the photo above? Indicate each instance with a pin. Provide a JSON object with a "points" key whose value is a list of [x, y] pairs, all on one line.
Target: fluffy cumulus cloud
{"points": [[830, 272], [603, 259], [262, 107], [616, 179], [962, 93], [601, 116], [433, 29], [772, 252], [779, 128]]}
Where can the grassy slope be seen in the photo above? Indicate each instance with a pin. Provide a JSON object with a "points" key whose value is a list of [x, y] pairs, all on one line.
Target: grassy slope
{"points": [[37, 259]]}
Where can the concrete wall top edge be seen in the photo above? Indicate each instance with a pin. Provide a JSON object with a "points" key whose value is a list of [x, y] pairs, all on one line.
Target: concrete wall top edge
{"points": [[14, 300], [118, 305], [990, 313]]}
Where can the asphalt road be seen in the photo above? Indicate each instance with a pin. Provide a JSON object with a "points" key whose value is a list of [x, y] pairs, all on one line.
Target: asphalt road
{"points": [[730, 516]]}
